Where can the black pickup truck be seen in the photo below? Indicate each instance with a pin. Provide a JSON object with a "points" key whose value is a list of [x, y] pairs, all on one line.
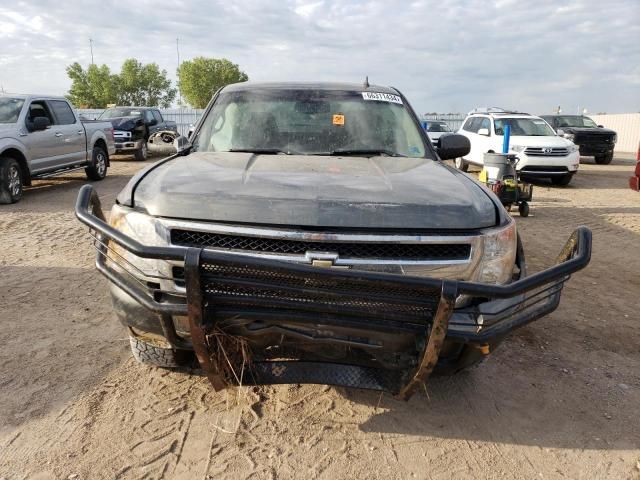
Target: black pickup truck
{"points": [[593, 140], [134, 126], [311, 233]]}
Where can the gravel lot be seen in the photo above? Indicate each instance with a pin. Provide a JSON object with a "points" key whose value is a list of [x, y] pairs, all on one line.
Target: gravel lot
{"points": [[560, 399]]}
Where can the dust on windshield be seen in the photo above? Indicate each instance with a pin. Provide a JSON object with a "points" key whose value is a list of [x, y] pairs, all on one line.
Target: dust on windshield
{"points": [[311, 122]]}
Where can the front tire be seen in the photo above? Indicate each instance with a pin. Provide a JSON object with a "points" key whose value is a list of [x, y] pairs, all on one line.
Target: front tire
{"points": [[142, 153], [11, 180], [604, 159], [150, 354], [461, 164], [97, 169]]}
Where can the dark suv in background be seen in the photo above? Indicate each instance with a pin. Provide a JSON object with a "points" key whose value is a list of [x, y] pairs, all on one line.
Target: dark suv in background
{"points": [[133, 126], [593, 140]]}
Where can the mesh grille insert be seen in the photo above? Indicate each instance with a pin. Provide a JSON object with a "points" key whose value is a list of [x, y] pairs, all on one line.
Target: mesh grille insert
{"points": [[397, 251], [258, 287]]}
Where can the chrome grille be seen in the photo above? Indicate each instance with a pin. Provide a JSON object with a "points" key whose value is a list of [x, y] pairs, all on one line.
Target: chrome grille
{"points": [[546, 151], [597, 138], [121, 135], [378, 251]]}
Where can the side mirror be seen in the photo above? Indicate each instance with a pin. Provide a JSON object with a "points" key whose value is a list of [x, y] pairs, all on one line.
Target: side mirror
{"points": [[181, 144], [560, 132], [192, 128], [40, 123], [600, 126], [453, 145], [152, 122], [484, 131]]}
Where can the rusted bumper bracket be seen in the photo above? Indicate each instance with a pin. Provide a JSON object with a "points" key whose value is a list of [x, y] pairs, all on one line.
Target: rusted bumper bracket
{"points": [[436, 338]]}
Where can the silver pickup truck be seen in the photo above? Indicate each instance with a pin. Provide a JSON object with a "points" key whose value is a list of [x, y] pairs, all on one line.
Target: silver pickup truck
{"points": [[42, 136]]}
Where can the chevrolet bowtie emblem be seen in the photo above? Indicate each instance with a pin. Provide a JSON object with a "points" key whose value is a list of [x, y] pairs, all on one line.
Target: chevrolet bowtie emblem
{"points": [[322, 263], [321, 259]]}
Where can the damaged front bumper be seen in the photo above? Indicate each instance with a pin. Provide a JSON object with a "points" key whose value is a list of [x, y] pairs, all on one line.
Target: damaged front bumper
{"points": [[259, 321]]}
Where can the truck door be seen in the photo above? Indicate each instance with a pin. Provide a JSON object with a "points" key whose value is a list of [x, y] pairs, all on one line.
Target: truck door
{"points": [[150, 121], [159, 120], [73, 137], [44, 146]]}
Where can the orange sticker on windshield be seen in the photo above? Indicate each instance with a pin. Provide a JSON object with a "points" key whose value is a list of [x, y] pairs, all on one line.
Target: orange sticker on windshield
{"points": [[338, 119]]}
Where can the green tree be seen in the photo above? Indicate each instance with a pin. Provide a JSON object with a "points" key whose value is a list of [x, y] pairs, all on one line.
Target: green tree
{"points": [[201, 77], [94, 87], [136, 84], [146, 85]]}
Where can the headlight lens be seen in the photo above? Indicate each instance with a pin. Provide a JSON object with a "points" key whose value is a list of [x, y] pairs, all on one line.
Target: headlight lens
{"points": [[146, 230], [499, 254], [517, 148], [573, 148], [615, 138]]}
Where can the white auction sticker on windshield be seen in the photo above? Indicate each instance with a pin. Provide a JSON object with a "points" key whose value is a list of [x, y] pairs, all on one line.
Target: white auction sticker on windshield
{"points": [[382, 97]]}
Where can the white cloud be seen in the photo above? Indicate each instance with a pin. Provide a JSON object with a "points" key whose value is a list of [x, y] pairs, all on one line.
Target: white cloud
{"points": [[444, 55], [307, 9]]}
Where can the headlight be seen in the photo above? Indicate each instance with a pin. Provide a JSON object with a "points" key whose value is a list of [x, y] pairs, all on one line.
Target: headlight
{"points": [[517, 148], [569, 136], [573, 148], [499, 254], [146, 230], [615, 138]]}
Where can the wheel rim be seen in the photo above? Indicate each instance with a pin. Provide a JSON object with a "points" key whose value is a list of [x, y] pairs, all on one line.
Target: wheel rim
{"points": [[458, 162], [144, 150], [15, 183], [101, 164]]}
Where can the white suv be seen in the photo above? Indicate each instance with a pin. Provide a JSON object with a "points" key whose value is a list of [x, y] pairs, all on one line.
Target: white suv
{"points": [[541, 153]]}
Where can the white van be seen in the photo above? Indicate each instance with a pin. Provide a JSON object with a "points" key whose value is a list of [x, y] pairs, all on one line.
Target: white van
{"points": [[541, 153]]}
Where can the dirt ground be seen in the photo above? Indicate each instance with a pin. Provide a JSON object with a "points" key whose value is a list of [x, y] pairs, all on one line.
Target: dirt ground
{"points": [[560, 399]]}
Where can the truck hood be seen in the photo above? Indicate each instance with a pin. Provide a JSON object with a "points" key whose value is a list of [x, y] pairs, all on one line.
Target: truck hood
{"points": [[123, 123], [588, 131], [312, 191], [7, 128], [539, 141]]}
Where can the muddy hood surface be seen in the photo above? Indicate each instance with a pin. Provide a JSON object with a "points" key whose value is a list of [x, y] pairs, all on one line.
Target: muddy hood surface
{"points": [[312, 191]]}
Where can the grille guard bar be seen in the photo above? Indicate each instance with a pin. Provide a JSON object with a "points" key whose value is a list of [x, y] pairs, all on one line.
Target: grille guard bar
{"points": [[253, 286]]}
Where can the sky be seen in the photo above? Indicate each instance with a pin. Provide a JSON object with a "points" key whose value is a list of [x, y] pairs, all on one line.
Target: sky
{"points": [[445, 56]]}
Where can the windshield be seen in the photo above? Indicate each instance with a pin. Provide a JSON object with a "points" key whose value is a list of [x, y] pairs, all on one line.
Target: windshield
{"points": [[437, 127], [310, 122], [576, 121], [524, 127], [10, 109], [120, 112]]}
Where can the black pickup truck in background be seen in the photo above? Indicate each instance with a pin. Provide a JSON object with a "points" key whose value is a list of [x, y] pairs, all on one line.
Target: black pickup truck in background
{"points": [[593, 140], [133, 126]]}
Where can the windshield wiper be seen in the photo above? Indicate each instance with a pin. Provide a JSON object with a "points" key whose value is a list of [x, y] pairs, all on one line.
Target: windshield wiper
{"points": [[366, 151], [259, 151]]}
